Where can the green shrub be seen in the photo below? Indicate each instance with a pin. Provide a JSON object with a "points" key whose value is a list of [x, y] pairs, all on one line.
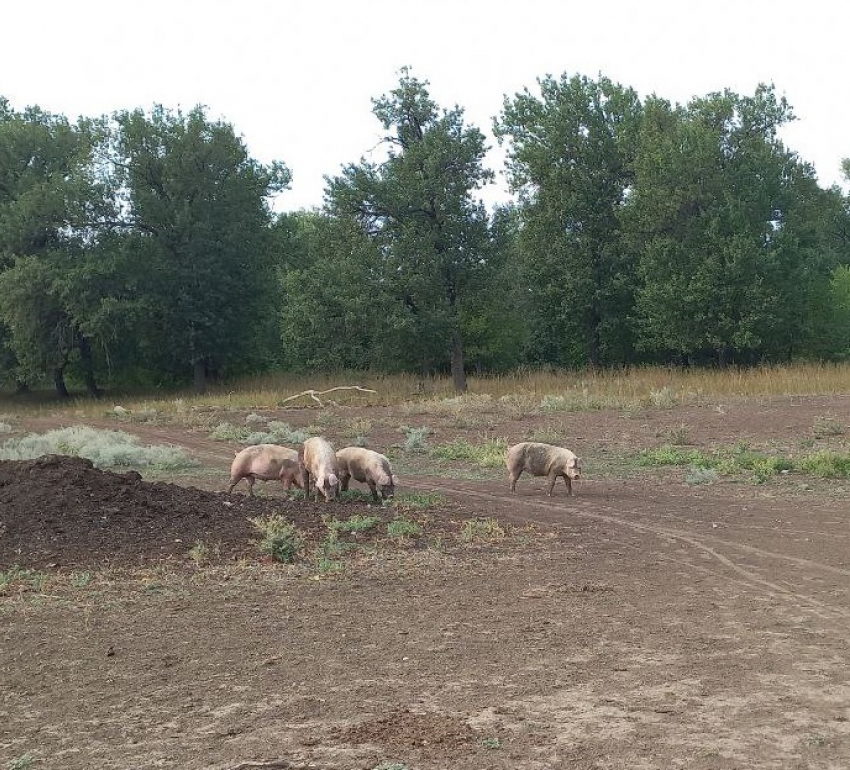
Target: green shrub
{"points": [[826, 465], [282, 540]]}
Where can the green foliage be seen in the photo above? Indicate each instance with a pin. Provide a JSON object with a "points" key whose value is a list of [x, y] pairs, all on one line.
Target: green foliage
{"points": [[208, 274], [490, 454], [430, 236], [570, 158], [282, 540], [402, 527], [105, 448], [826, 465], [356, 523]]}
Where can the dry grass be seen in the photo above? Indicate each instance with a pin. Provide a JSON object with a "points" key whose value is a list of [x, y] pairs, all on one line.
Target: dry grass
{"points": [[524, 392]]}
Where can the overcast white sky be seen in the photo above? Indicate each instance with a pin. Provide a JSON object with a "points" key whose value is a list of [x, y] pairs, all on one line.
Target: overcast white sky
{"points": [[296, 78]]}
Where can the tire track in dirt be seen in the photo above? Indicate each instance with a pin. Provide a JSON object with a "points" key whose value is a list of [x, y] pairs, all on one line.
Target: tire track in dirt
{"points": [[822, 609]]}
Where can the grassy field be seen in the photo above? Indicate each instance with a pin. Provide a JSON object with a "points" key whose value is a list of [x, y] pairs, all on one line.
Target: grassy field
{"points": [[529, 391]]}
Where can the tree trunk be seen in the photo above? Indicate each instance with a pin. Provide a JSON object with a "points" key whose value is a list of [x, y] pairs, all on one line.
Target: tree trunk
{"points": [[88, 366], [199, 372], [458, 371], [59, 382]]}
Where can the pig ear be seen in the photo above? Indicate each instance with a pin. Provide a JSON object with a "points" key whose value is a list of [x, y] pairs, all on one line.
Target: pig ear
{"points": [[395, 479], [332, 480]]}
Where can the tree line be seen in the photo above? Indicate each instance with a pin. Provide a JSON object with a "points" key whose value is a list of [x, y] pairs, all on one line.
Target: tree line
{"points": [[141, 248]]}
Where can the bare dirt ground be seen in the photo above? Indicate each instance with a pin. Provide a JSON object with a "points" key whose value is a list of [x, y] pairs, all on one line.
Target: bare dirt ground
{"points": [[642, 623]]}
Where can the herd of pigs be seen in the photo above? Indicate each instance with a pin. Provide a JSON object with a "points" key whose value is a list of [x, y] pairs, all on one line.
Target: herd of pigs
{"points": [[316, 467]]}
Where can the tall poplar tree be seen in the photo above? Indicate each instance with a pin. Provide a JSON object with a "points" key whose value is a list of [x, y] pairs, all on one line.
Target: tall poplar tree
{"points": [[417, 207]]}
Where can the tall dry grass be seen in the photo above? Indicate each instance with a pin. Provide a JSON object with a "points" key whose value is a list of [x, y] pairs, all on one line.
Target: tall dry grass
{"points": [[522, 390]]}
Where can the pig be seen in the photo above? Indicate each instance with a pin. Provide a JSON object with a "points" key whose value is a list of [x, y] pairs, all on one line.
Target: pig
{"points": [[368, 467], [543, 460], [317, 461], [265, 462]]}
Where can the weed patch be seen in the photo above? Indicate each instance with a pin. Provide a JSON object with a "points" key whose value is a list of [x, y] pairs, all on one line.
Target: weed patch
{"points": [[282, 540], [481, 530], [490, 454]]}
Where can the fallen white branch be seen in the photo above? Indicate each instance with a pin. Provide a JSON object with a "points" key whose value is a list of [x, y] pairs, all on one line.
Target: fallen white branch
{"points": [[314, 394]]}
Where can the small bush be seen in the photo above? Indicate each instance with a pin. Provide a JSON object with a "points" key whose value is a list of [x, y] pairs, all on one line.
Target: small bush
{"points": [[282, 540], [826, 465], [16, 575], [764, 468]]}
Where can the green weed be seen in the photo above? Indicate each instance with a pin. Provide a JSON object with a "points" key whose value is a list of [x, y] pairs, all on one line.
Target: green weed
{"points": [[356, 523], [402, 527], [481, 530], [826, 465], [282, 540], [490, 454]]}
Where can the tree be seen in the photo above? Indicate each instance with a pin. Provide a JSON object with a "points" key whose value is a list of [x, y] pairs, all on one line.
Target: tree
{"points": [[416, 206], [569, 158], [47, 197], [714, 219], [334, 315], [196, 220]]}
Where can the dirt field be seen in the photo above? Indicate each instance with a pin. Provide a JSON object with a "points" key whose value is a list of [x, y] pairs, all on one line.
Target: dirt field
{"points": [[642, 623]]}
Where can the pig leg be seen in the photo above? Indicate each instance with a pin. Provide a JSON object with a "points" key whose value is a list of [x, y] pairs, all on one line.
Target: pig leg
{"points": [[514, 477], [569, 484], [343, 482], [374, 489], [250, 480], [553, 477]]}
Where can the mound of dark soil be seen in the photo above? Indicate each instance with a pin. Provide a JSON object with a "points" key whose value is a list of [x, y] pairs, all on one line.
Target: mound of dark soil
{"points": [[59, 511]]}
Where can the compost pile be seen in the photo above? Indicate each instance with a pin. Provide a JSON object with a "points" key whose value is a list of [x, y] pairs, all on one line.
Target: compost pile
{"points": [[60, 511]]}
